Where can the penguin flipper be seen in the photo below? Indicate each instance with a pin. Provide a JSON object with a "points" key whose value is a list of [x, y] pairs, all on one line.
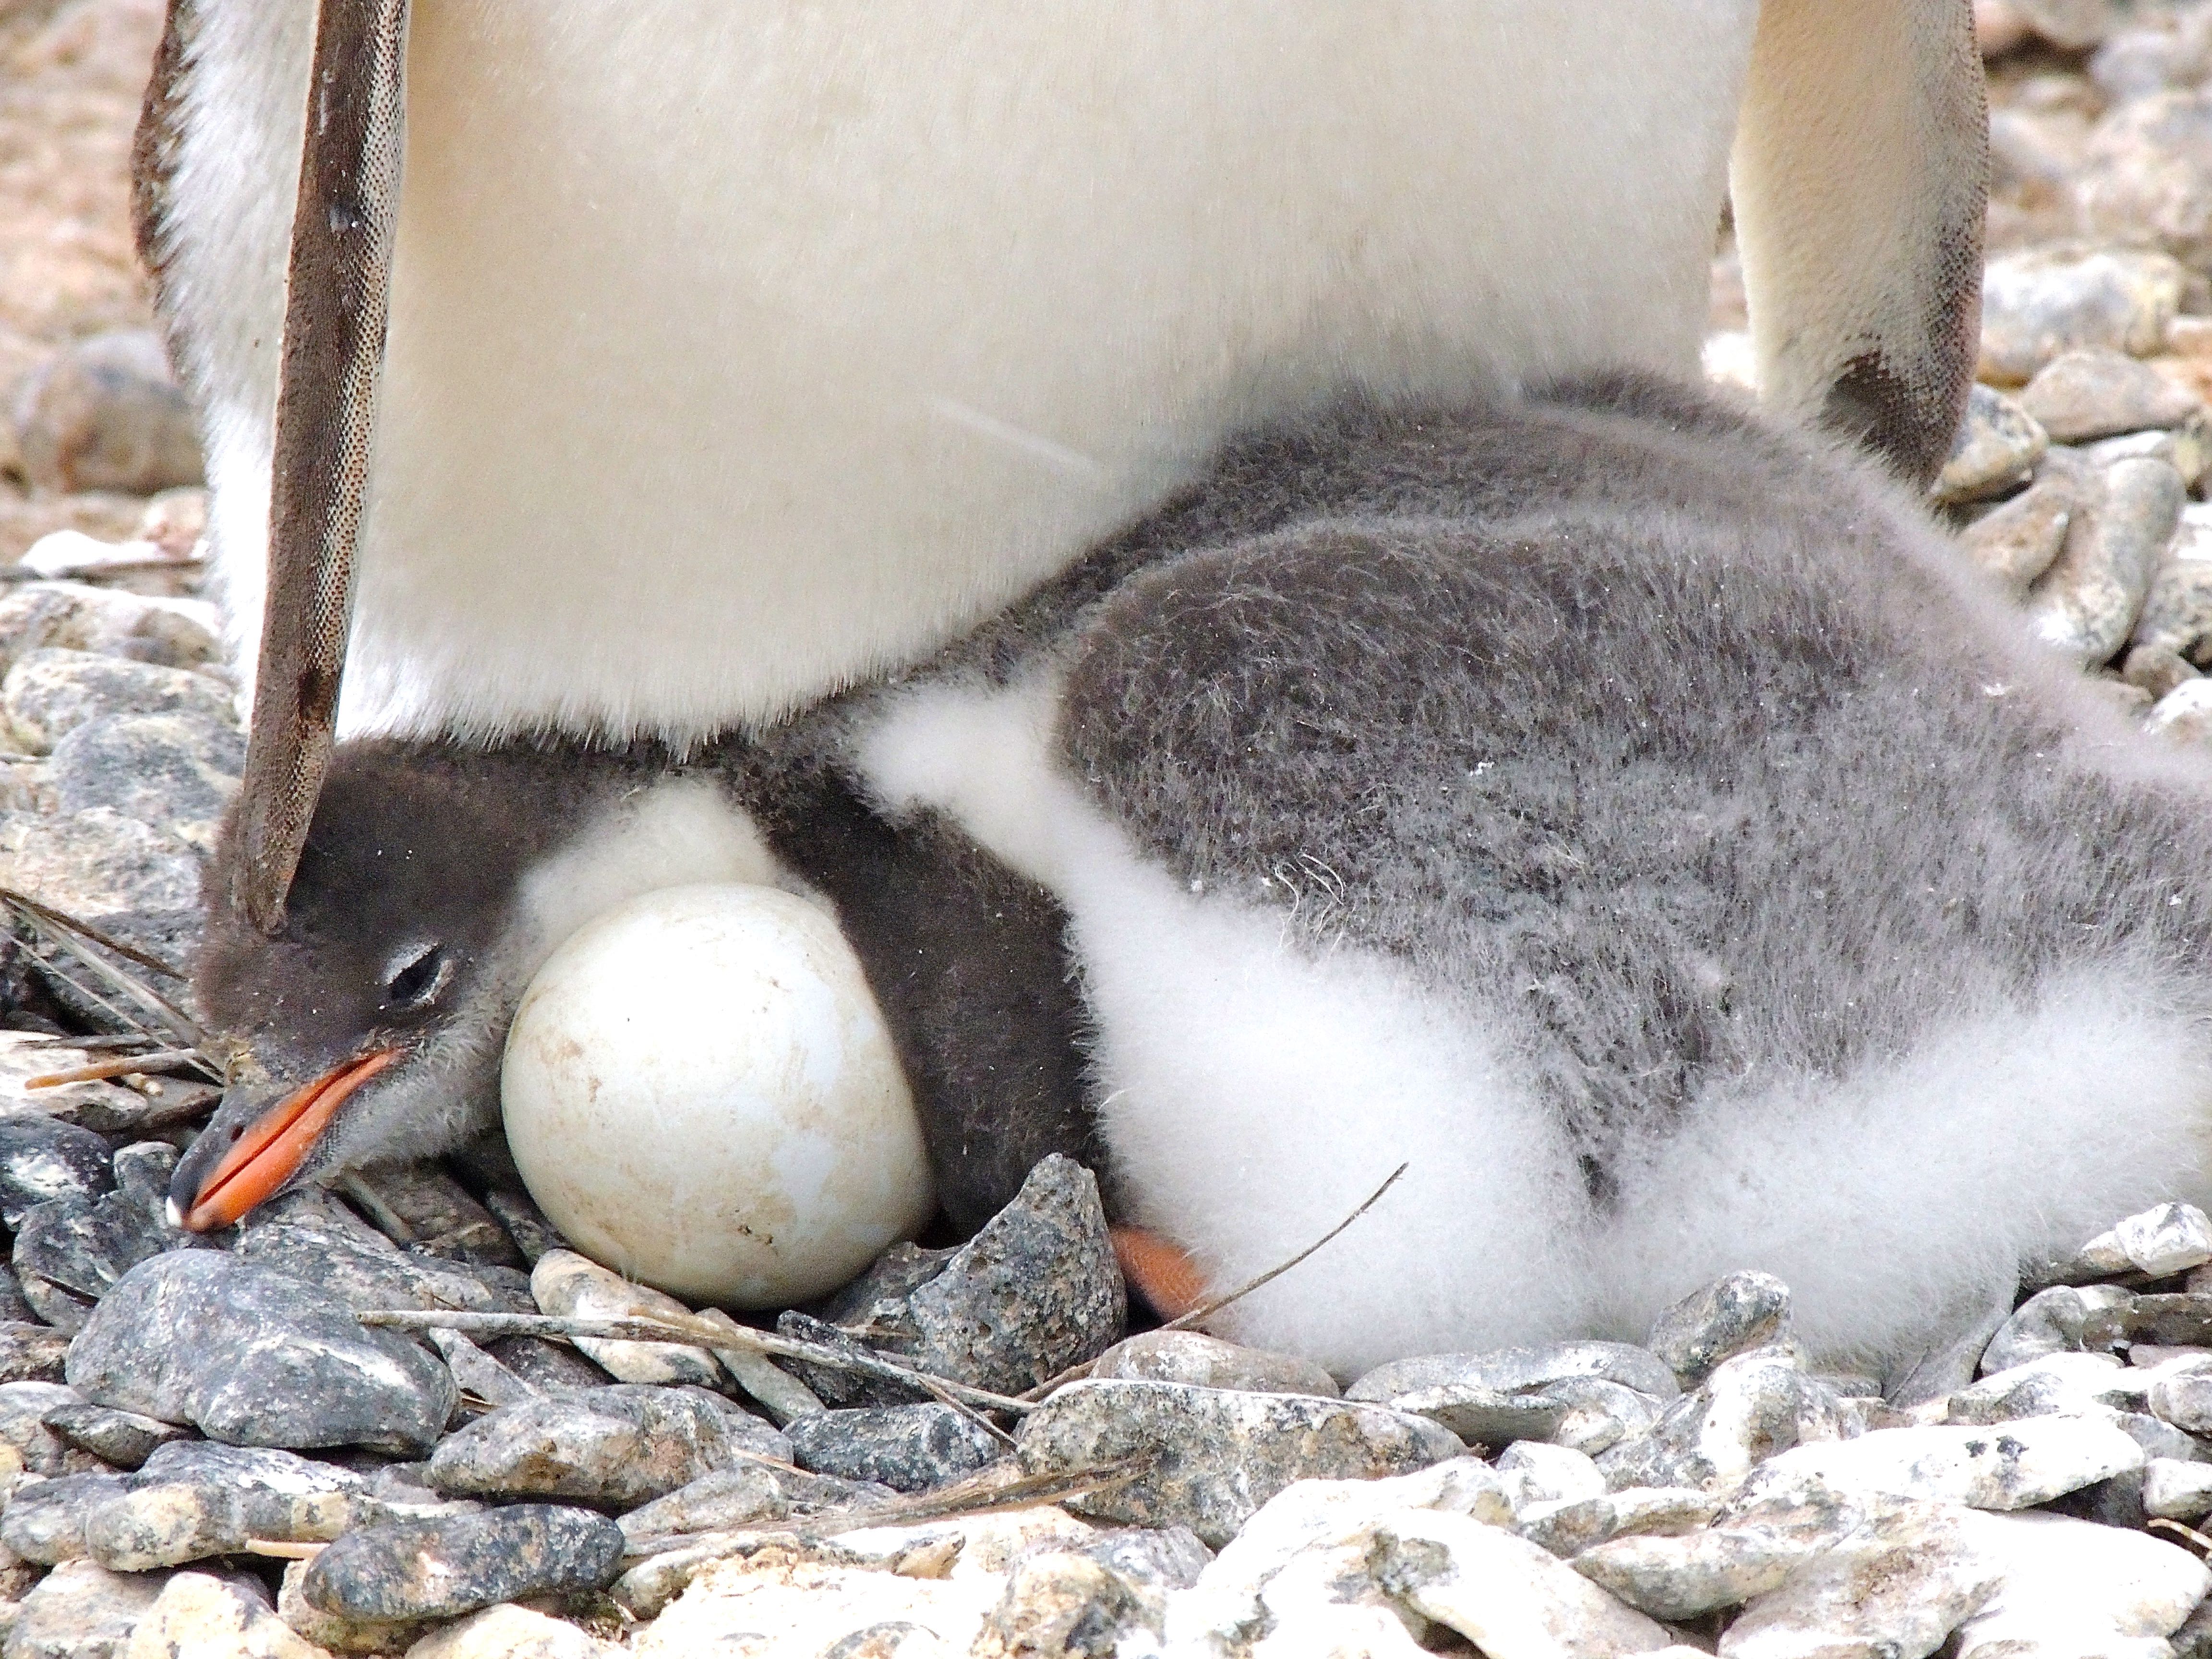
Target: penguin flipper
{"points": [[1860, 176]]}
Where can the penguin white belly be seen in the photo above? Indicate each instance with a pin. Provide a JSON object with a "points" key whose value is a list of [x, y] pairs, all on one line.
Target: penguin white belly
{"points": [[1253, 1093], [737, 351]]}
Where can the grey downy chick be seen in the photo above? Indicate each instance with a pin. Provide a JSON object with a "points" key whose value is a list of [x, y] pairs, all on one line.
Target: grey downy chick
{"points": [[1633, 818], [437, 877]]}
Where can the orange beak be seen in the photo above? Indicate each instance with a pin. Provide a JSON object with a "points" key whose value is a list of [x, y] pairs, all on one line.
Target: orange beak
{"points": [[277, 1143]]}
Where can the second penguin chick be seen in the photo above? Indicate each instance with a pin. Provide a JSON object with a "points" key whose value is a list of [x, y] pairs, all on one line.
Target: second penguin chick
{"points": [[1635, 819]]}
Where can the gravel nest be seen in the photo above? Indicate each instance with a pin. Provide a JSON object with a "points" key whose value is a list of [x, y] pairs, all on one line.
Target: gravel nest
{"points": [[204, 1451]]}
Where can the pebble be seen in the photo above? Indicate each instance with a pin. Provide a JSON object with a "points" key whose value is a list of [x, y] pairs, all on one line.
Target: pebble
{"points": [[2177, 1489], [2186, 447], [2069, 1587], [106, 413], [1568, 1528], [1302, 1558], [1751, 1406], [2147, 175], [198, 1616], [2038, 304], [2015, 543], [2098, 392], [128, 878], [2184, 1400], [123, 1439], [484, 1384], [334, 1633], [2177, 614], [1037, 1292], [906, 1448], [1997, 446], [84, 1246], [2154, 669], [778, 1393], [32, 1352], [1699, 1572], [1502, 1593], [422, 1208], [44, 1519], [2165, 1240], [2180, 1318], [2049, 1321], [2059, 1384], [1536, 1471], [109, 623], [567, 1285], [1742, 1311], [41, 1160], [195, 1499], [2087, 603], [82, 1611], [622, 1445], [175, 771], [254, 1357], [1216, 1454], [47, 694], [1898, 1587], [314, 1237], [443, 1566], [24, 1408], [508, 1631], [1070, 1602], [746, 1494], [1592, 1395], [2011, 1466], [1208, 1362]]}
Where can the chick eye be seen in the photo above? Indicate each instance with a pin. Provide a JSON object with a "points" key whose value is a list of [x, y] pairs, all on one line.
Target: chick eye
{"points": [[413, 981]]}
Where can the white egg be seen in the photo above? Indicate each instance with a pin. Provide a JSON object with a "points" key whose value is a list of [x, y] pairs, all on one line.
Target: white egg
{"points": [[700, 1093]]}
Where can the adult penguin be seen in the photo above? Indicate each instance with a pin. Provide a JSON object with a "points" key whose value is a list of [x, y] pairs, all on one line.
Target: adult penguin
{"points": [[737, 353]]}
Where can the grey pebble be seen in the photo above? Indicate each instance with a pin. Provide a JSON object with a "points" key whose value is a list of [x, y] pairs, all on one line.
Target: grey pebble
{"points": [[547, 1367], [622, 1445], [422, 1208], [444, 1567], [351, 1261], [2087, 603], [746, 1494], [2176, 614], [2147, 175], [1742, 1311], [2051, 1321], [1210, 1363], [124, 1439], [23, 1410], [2098, 392], [1036, 1290], [1210, 1458], [31, 1352], [255, 1357], [2016, 542], [106, 413], [106, 622], [1997, 446], [907, 1448], [526, 1224], [177, 772], [2038, 304], [1752, 1406], [44, 1519], [2154, 668], [82, 1611], [195, 1499], [478, 1376], [1595, 1393], [41, 1160], [49, 692]]}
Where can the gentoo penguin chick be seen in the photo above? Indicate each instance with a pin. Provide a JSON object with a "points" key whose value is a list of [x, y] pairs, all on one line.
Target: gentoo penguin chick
{"points": [[438, 878], [1631, 816]]}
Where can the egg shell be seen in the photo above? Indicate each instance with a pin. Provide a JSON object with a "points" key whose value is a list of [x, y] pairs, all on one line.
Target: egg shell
{"points": [[700, 1091]]}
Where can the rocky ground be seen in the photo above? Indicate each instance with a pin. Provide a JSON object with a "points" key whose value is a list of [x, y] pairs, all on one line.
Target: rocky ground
{"points": [[207, 1451]]}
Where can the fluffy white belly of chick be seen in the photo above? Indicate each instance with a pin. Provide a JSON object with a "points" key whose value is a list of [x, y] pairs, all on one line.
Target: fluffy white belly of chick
{"points": [[738, 349], [1253, 1093]]}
